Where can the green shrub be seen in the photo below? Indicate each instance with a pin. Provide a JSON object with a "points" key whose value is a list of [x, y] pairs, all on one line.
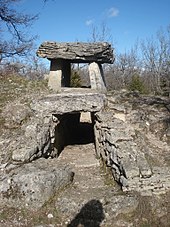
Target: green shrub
{"points": [[137, 84], [75, 79]]}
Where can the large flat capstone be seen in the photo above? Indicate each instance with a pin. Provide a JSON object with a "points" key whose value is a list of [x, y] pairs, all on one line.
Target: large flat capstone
{"points": [[77, 52], [70, 101]]}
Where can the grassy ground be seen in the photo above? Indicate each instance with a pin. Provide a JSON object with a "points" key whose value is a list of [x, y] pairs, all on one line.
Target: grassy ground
{"points": [[14, 86]]}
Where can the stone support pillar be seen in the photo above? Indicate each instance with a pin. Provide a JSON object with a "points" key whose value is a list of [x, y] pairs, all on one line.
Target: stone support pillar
{"points": [[97, 77], [60, 72]]}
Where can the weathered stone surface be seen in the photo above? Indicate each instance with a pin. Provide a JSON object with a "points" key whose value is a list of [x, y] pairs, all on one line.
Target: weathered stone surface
{"points": [[158, 183], [35, 142], [97, 77], [121, 204], [36, 133], [79, 101], [135, 143], [16, 113], [33, 184], [60, 73], [77, 52]]}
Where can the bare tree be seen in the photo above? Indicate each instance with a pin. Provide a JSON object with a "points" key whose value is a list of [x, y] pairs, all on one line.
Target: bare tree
{"points": [[125, 66], [100, 34], [164, 59], [13, 24], [156, 58]]}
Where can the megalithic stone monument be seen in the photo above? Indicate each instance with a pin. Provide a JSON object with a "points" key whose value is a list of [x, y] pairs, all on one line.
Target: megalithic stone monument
{"points": [[62, 55]]}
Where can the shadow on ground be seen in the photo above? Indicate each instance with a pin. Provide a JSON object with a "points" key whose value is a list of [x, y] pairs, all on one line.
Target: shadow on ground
{"points": [[90, 215]]}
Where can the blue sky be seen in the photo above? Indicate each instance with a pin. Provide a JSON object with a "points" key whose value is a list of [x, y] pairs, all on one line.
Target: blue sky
{"points": [[72, 20]]}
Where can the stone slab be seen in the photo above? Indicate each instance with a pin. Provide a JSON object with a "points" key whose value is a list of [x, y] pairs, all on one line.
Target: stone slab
{"points": [[31, 185], [77, 52], [73, 101]]}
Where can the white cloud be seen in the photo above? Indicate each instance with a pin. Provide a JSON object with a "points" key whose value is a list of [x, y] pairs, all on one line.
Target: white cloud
{"points": [[89, 22], [113, 12]]}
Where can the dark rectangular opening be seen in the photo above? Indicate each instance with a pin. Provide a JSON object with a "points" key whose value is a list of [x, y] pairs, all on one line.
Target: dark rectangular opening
{"points": [[73, 129]]}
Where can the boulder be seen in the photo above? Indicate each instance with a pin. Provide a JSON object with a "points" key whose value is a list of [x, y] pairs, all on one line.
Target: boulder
{"points": [[33, 184]]}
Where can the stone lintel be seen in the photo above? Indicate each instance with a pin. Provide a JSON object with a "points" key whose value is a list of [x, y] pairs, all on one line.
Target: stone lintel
{"points": [[77, 52], [70, 102]]}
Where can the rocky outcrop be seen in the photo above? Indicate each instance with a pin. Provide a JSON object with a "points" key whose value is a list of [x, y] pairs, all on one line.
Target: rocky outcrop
{"points": [[77, 52], [131, 137], [27, 177], [128, 144], [33, 184], [15, 114]]}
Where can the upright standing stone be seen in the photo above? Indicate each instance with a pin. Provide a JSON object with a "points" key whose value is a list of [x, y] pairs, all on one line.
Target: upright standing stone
{"points": [[96, 77], [55, 75], [60, 71]]}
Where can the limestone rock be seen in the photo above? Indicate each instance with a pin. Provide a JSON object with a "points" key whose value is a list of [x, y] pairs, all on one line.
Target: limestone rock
{"points": [[121, 204], [33, 184], [97, 77], [70, 102], [135, 145], [26, 154], [15, 114], [35, 141], [77, 52]]}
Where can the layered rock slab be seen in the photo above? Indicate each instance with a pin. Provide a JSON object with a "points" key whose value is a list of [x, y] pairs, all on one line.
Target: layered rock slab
{"points": [[74, 100], [77, 52], [33, 184], [132, 139]]}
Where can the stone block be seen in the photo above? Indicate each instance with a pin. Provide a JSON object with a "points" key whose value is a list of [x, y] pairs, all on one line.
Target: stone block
{"points": [[79, 101], [33, 184], [96, 77]]}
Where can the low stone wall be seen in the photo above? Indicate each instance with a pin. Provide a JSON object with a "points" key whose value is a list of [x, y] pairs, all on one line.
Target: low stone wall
{"points": [[115, 145], [135, 152]]}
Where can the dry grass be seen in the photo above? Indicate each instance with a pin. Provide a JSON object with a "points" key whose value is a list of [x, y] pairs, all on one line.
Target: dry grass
{"points": [[16, 87]]}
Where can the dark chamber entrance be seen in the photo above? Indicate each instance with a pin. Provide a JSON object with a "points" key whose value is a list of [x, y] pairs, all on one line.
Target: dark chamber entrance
{"points": [[81, 133], [72, 130]]}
